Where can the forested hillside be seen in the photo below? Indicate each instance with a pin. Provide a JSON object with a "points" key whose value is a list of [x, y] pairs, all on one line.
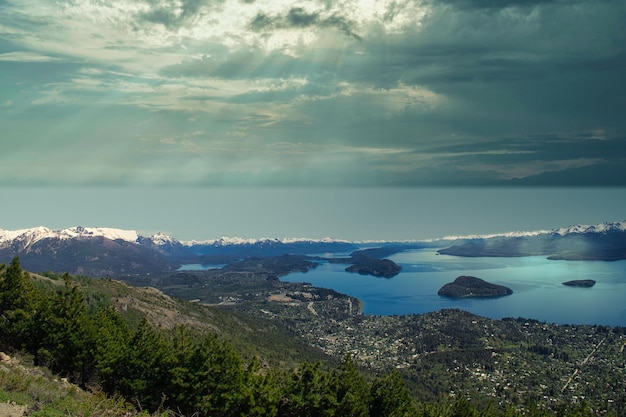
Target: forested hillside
{"points": [[62, 324]]}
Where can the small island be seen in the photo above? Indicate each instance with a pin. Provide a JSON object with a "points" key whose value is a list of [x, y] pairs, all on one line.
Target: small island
{"points": [[586, 283], [472, 287], [365, 265], [377, 267]]}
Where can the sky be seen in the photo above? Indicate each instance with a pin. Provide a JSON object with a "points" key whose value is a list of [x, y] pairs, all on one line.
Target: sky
{"points": [[358, 214], [354, 106]]}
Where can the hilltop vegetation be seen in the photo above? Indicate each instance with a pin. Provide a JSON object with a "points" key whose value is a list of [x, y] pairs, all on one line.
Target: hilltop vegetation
{"points": [[190, 371]]}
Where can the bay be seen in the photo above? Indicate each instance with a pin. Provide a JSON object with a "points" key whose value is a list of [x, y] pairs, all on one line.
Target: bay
{"points": [[538, 292]]}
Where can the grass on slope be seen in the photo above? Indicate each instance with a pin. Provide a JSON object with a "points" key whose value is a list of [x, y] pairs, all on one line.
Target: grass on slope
{"points": [[33, 391]]}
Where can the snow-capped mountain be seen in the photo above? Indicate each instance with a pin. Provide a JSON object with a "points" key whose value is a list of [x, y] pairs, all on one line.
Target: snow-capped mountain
{"points": [[226, 241], [493, 235], [24, 237], [605, 241], [162, 239], [238, 247], [97, 251], [27, 237], [36, 234], [106, 232], [109, 251], [101, 251], [607, 227]]}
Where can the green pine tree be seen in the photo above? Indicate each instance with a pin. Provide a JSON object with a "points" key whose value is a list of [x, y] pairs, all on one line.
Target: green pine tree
{"points": [[72, 339], [218, 379], [143, 368], [112, 334], [352, 390], [18, 300]]}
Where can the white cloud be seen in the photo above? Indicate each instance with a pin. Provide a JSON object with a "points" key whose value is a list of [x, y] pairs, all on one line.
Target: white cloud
{"points": [[27, 56], [525, 169]]}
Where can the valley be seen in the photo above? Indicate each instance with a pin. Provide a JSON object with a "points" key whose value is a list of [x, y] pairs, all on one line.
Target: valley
{"points": [[441, 354]]}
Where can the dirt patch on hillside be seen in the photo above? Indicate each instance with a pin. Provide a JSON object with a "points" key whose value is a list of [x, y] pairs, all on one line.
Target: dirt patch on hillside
{"points": [[12, 410], [280, 298]]}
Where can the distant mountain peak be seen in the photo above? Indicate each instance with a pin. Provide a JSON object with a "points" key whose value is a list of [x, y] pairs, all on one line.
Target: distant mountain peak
{"points": [[32, 235], [520, 233], [229, 241], [597, 228], [25, 237], [162, 239], [577, 228], [107, 232]]}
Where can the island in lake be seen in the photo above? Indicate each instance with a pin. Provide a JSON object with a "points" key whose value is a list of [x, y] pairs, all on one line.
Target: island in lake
{"points": [[586, 283], [468, 287], [377, 267], [364, 264]]}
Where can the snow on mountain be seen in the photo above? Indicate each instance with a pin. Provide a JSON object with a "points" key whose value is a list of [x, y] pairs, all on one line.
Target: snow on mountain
{"points": [[598, 228], [227, 241], [578, 228], [223, 241], [507, 234], [161, 239], [33, 235], [27, 237], [323, 240], [109, 233]]}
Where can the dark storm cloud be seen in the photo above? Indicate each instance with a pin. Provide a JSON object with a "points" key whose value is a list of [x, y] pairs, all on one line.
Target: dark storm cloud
{"points": [[550, 161], [468, 93], [597, 175], [525, 70], [548, 147], [497, 4], [299, 18], [173, 15], [479, 45], [520, 75]]}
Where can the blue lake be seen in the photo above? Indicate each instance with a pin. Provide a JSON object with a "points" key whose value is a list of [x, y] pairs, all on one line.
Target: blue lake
{"points": [[200, 267], [536, 282]]}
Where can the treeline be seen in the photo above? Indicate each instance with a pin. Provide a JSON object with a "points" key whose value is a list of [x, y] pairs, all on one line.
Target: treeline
{"points": [[189, 373]]}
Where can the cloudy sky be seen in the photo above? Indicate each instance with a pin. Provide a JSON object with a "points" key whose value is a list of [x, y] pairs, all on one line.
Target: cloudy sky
{"points": [[315, 93], [348, 92]]}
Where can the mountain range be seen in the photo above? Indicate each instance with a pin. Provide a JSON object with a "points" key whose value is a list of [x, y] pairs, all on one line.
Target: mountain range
{"points": [[602, 242], [101, 251]]}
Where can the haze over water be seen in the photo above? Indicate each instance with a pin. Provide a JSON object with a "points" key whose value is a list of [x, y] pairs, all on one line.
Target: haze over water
{"points": [[538, 292]]}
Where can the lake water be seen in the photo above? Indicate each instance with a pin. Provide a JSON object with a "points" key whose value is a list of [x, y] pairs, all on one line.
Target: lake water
{"points": [[536, 282], [200, 267]]}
